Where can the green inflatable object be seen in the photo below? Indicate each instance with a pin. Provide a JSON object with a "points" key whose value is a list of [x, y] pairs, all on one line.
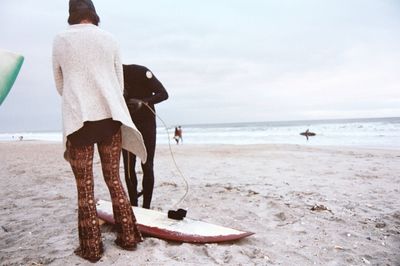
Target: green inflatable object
{"points": [[10, 64]]}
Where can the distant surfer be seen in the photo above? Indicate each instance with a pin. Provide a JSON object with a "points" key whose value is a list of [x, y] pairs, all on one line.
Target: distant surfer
{"points": [[142, 91], [89, 77], [178, 135], [307, 134]]}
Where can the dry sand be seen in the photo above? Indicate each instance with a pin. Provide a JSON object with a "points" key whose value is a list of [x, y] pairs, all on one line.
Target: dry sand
{"points": [[268, 189]]}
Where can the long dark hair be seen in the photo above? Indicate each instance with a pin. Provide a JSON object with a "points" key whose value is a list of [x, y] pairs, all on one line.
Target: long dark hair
{"points": [[77, 16]]}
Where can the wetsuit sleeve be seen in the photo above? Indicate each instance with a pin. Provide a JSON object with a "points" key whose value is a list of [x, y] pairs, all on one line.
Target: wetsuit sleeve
{"points": [[159, 92], [57, 71]]}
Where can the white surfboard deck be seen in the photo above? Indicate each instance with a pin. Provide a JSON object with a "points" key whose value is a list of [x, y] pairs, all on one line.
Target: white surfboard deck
{"points": [[157, 224], [10, 64]]}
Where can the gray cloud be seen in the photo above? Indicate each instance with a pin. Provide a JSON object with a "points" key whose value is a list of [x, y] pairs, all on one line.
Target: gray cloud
{"points": [[224, 61]]}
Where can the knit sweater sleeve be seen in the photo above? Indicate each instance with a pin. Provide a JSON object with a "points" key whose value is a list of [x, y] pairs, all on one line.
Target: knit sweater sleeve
{"points": [[57, 71], [118, 68]]}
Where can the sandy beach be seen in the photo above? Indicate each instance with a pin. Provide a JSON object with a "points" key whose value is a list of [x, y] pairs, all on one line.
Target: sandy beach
{"points": [[306, 205]]}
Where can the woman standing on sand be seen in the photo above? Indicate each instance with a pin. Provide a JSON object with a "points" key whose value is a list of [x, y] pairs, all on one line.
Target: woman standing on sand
{"points": [[88, 76]]}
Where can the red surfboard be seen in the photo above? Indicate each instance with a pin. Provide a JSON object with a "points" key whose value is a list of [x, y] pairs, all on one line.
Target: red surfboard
{"points": [[157, 224]]}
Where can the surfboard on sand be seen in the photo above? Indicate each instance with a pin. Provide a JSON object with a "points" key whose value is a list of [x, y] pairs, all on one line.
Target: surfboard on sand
{"points": [[157, 224], [10, 64]]}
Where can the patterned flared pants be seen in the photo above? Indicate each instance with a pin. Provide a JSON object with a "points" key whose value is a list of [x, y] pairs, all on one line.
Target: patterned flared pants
{"points": [[81, 160]]}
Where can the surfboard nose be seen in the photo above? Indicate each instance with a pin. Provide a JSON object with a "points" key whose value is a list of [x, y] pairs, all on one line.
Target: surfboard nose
{"points": [[10, 65]]}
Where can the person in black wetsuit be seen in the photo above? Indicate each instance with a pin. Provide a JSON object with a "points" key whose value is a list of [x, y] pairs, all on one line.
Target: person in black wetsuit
{"points": [[142, 88]]}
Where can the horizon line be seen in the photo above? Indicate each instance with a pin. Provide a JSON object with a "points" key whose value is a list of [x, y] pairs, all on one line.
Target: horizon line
{"points": [[329, 120]]}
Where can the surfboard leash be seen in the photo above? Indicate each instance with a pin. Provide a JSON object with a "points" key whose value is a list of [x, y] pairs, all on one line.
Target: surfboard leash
{"points": [[180, 211]]}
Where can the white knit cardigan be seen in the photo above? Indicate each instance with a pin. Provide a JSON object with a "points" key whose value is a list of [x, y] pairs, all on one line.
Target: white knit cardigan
{"points": [[88, 76]]}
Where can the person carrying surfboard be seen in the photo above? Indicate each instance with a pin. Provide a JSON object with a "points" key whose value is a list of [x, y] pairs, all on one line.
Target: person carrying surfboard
{"points": [[142, 91], [89, 77]]}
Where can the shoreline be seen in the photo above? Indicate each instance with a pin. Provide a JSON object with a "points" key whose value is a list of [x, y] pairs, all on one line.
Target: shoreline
{"points": [[57, 142], [269, 189]]}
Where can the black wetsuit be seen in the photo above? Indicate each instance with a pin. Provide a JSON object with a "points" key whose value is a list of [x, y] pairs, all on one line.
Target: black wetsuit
{"points": [[141, 84]]}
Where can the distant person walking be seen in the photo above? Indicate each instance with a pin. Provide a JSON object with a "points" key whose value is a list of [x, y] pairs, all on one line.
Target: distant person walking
{"points": [[142, 91], [178, 134], [88, 76]]}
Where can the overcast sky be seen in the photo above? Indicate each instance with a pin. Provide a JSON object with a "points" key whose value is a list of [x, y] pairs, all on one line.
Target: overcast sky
{"points": [[223, 60]]}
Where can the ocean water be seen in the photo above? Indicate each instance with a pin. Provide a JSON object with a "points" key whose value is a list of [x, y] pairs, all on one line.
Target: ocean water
{"points": [[373, 133]]}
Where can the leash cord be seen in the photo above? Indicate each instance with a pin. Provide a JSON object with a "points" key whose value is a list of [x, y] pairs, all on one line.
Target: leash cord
{"points": [[173, 158]]}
